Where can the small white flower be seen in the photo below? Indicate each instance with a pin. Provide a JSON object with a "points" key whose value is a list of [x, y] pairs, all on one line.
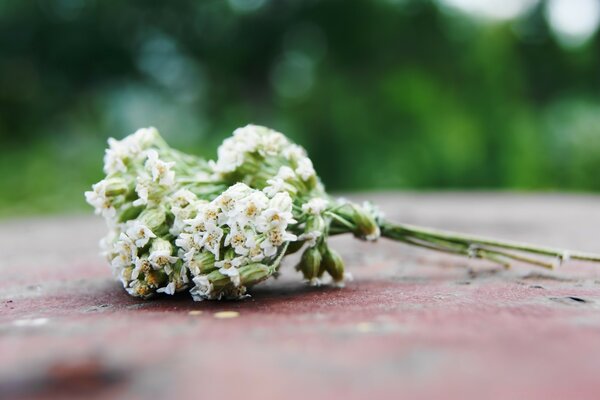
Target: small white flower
{"points": [[124, 252], [272, 142], [142, 138], [169, 289], [210, 213], [139, 233], [305, 169], [121, 151], [162, 259], [142, 189], [278, 215], [161, 171], [250, 139], [186, 242], [275, 238], [315, 206], [102, 204], [286, 173], [274, 186], [202, 289], [182, 198], [107, 242], [211, 239], [256, 253], [249, 208], [228, 200], [293, 152], [141, 265], [229, 267], [237, 239], [114, 157], [310, 238], [195, 225]]}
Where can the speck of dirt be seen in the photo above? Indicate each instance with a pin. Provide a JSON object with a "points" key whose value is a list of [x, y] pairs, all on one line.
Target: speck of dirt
{"points": [[226, 314]]}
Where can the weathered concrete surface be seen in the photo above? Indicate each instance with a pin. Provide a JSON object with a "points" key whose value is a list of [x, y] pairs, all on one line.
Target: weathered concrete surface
{"points": [[413, 324]]}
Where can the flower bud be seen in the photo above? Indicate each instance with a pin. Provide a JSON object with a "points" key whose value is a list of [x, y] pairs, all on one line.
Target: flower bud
{"points": [[366, 226], [130, 213], [310, 263], [155, 279], [115, 187], [334, 265], [218, 280], [161, 245], [202, 263], [154, 219], [315, 223], [252, 274], [294, 247]]}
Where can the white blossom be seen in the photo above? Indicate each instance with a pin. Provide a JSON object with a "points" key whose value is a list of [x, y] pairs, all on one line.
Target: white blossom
{"points": [[139, 233], [229, 267], [237, 239], [119, 152], [202, 289], [98, 199], [247, 140], [278, 214], [249, 208], [293, 152], [310, 238], [142, 264], [124, 252], [305, 168], [160, 170], [286, 173], [211, 239], [169, 289], [162, 259], [275, 238], [142, 188], [274, 186], [315, 206], [182, 198]]}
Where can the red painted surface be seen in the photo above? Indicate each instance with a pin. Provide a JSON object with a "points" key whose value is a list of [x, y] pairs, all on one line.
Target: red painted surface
{"points": [[412, 324]]}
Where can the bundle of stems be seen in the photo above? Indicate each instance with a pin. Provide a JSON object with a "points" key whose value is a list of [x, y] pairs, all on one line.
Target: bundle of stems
{"points": [[498, 251]]}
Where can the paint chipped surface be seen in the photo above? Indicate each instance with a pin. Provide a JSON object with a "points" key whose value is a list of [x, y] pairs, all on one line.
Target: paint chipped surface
{"points": [[412, 324]]}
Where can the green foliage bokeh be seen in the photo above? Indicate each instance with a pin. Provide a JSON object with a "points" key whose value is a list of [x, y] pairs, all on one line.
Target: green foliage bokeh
{"points": [[384, 95]]}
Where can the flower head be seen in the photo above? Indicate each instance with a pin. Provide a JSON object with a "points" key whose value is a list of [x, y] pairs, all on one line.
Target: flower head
{"points": [[216, 227]]}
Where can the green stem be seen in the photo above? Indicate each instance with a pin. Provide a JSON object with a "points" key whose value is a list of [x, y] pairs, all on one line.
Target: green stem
{"points": [[461, 243]]}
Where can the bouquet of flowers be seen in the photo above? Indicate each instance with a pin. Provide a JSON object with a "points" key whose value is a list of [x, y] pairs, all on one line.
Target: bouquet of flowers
{"points": [[178, 222]]}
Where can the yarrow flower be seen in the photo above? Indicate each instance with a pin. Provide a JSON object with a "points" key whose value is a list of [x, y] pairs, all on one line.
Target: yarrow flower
{"points": [[216, 228]]}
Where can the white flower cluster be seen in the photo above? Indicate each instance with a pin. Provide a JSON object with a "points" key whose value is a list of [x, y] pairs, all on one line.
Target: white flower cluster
{"points": [[132, 164], [256, 151], [178, 222], [145, 263], [156, 178], [121, 153], [235, 150], [239, 227]]}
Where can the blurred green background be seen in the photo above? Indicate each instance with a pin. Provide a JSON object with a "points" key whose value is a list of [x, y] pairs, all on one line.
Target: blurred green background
{"points": [[446, 94]]}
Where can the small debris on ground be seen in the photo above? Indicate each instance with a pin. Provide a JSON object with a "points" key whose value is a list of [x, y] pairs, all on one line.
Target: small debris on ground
{"points": [[226, 314]]}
